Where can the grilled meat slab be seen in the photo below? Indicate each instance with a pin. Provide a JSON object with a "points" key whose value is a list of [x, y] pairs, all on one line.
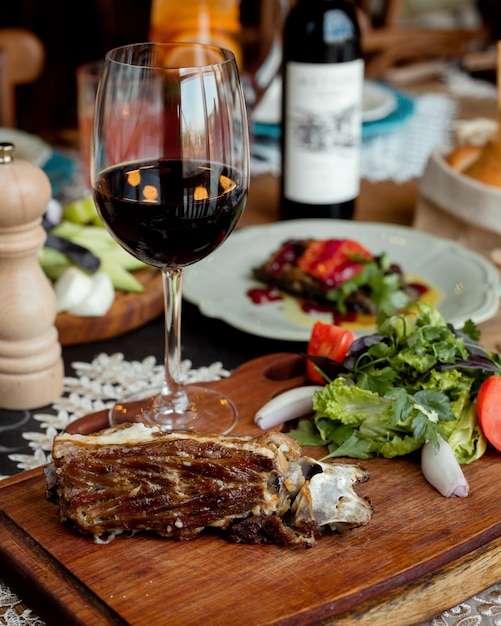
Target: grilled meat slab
{"points": [[133, 478]]}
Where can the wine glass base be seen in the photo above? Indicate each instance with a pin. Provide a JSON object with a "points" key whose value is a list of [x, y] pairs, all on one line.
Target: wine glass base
{"points": [[208, 411]]}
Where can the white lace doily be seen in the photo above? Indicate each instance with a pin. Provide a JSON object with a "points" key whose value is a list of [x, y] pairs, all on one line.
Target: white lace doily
{"points": [[8, 613], [96, 386], [402, 154]]}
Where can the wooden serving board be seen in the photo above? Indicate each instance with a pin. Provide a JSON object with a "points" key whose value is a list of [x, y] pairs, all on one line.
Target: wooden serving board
{"points": [[420, 554], [128, 311]]}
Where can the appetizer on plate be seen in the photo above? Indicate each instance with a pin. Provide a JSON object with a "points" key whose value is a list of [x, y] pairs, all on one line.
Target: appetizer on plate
{"points": [[338, 274]]}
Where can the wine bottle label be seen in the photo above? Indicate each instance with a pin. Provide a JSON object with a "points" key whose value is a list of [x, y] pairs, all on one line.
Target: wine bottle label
{"points": [[323, 125]]}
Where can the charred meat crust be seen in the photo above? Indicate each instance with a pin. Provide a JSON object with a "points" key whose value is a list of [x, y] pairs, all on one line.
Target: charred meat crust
{"points": [[176, 485]]}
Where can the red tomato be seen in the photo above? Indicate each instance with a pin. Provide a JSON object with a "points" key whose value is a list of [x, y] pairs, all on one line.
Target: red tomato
{"points": [[332, 261], [489, 410], [330, 341]]}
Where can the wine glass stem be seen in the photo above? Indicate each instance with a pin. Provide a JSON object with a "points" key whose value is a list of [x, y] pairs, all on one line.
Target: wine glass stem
{"points": [[173, 397]]}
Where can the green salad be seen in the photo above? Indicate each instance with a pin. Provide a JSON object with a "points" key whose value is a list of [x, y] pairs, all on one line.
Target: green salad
{"points": [[412, 381]]}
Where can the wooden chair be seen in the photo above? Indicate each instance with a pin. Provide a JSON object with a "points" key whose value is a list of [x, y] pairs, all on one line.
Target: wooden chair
{"points": [[387, 44], [22, 57]]}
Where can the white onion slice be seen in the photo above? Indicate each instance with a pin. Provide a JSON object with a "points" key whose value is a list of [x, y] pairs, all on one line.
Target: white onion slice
{"points": [[287, 406], [442, 470]]}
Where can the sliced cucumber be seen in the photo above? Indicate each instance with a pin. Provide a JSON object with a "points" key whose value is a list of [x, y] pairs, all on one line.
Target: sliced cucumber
{"points": [[67, 230], [122, 279], [123, 258], [99, 242], [115, 261], [82, 211], [54, 262]]}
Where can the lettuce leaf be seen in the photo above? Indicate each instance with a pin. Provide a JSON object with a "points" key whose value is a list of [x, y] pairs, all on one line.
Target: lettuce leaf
{"points": [[416, 378]]}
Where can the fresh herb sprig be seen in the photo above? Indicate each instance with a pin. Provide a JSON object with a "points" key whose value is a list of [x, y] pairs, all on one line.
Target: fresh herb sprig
{"points": [[380, 279]]}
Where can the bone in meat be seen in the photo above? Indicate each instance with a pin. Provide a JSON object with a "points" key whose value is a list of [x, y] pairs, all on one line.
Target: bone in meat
{"points": [[135, 478]]}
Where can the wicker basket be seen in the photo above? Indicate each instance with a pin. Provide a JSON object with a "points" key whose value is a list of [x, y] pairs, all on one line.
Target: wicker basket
{"points": [[457, 207]]}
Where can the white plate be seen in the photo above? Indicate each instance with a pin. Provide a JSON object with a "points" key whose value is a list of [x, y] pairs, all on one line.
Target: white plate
{"points": [[27, 147], [377, 102], [468, 285]]}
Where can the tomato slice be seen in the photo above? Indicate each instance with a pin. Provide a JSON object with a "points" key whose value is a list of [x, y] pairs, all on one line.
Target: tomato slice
{"points": [[330, 341], [333, 261], [489, 410]]}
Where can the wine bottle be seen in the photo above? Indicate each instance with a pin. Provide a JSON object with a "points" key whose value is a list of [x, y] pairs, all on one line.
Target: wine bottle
{"points": [[321, 110]]}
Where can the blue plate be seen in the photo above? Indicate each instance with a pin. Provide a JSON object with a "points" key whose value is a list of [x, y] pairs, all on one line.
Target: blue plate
{"points": [[269, 131], [402, 112]]}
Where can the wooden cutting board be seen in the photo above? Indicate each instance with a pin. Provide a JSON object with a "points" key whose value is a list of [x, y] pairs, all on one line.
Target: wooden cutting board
{"points": [[128, 311], [420, 554]]}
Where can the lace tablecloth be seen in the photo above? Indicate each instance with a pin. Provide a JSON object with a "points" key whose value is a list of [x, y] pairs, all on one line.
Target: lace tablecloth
{"points": [[94, 387], [406, 150]]}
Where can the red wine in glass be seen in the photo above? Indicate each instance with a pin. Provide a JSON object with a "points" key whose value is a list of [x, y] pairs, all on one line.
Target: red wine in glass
{"points": [[193, 207], [170, 175]]}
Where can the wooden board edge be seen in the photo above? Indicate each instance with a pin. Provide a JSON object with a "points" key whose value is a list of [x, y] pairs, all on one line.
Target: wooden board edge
{"points": [[47, 586], [430, 595], [34, 574]]}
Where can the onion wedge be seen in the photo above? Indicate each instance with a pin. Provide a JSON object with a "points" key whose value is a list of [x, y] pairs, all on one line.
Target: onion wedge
{"points": [[287, 406], [442, 470]]}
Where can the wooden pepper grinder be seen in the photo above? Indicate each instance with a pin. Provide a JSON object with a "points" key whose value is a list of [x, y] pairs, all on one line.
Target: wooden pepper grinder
{"points": [[31, 367]]}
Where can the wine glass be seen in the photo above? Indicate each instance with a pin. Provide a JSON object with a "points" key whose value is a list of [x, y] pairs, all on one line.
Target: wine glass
{"points": [[170, 175]]}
